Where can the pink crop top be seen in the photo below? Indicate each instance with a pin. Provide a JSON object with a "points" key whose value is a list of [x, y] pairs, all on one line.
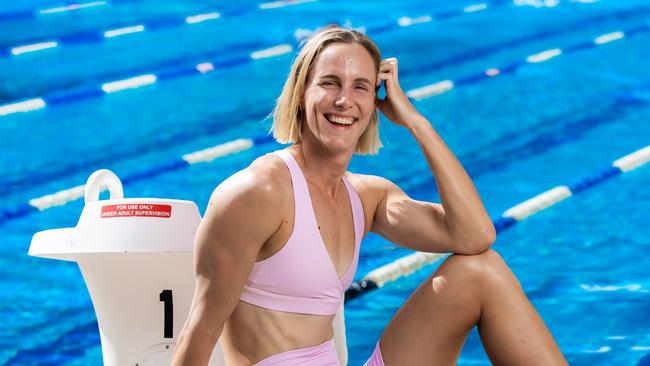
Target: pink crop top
{"points": [[300, 277]]}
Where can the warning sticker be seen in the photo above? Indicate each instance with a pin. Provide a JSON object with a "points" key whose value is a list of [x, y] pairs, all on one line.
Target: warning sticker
{"points": [[137, 210]]}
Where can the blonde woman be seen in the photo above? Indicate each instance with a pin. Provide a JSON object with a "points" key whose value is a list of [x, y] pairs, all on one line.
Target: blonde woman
{"points": [[280, 240]]}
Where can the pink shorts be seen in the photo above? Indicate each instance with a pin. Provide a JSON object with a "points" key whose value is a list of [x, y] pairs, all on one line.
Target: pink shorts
{"points": [[375, 359], [322, 355]]}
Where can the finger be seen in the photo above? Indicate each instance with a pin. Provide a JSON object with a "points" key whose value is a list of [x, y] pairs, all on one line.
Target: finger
{"points": [[394, 71], [386, 64], [393, 63], [385, 77]]}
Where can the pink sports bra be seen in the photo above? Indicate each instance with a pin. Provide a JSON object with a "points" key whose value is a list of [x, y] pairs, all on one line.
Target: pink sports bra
{"points": [[300, 277]]}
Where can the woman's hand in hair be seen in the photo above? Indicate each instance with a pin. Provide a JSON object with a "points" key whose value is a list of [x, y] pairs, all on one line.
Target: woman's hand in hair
{"points": [[396, 106]]}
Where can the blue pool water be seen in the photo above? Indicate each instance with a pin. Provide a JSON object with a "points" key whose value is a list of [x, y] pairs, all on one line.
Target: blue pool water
{"points": [[581, 262]]}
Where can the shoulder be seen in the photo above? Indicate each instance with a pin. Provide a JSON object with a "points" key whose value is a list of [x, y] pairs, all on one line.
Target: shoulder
{"points": [[263, 185], [372, 186], [372, 190]]}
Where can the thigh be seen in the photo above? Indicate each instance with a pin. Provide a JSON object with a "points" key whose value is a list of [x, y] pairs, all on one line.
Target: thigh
{"points": [[430, 328]]}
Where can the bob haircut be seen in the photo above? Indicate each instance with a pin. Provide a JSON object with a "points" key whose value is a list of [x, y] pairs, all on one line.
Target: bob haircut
{"points": [[288, 116]]}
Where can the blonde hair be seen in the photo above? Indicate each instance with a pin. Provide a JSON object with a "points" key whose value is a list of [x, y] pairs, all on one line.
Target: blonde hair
{"points": [[288, 116]]}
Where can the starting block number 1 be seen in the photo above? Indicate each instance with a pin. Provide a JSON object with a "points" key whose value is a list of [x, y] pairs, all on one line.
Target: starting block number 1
{"points": [[166, 297]]}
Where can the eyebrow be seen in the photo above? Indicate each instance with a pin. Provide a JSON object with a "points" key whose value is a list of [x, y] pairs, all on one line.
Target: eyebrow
{"points": [[332, 76]]}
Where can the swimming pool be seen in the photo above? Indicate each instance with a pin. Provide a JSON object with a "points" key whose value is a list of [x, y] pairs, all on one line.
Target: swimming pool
{"points": [[533, 126]]}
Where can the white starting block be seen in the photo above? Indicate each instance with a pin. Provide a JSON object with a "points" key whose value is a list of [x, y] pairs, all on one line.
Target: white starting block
{"points": [[136, 256]]}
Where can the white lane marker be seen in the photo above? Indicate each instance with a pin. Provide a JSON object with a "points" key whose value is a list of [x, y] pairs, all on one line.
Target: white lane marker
{"points": [[544, 55], [211, 153], [134, 82], [205, 67], [430, 90], [283, 3], [633, 160], [24, 106], [538, 203], [273, 51], [71, 7], [493, 71], [59, 198], [122, 31], [201, 18], [33, 47], [475, 8], [407, 21], [609, 37]]}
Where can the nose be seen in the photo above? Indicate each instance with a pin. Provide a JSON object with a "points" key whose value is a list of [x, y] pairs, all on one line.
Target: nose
{"points": [[343, 100]]}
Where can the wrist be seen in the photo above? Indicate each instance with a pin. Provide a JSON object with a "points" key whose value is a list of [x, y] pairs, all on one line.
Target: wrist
{"points": [[417, 124]]}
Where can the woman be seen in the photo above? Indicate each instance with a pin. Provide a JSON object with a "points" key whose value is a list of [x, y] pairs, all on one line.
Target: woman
{"points": [[275, 234]]}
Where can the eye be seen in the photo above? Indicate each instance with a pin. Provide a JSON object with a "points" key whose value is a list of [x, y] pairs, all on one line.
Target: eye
{"points": [[362, 87], [328, 83]]}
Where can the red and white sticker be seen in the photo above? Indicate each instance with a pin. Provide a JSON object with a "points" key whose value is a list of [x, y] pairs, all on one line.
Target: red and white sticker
{"points": [[137, 210]]}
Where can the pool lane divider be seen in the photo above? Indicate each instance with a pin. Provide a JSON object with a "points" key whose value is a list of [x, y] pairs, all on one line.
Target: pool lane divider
{"points": [[139, 81], [92, 91], [413, 262], [443, 86], [33, 13], [85, 92], [276, 50], [62, 197], [98, 36], [478, 53]]}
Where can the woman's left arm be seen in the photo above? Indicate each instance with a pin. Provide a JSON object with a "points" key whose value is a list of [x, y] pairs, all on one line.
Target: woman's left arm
{"points": [[462, 219]]}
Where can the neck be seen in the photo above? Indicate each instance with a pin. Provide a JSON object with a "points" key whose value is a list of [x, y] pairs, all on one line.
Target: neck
{"points": [[323, 169]]}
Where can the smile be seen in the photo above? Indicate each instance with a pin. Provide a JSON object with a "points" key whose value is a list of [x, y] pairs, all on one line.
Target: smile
{"points": [[340, 120]]}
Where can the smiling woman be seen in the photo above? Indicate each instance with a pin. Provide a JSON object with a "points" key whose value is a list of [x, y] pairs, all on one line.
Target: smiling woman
{"points": [[290, 111], [279, 242]]}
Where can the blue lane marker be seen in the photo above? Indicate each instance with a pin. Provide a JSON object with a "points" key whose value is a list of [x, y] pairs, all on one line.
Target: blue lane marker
{"points": [[503, 223], [73, 96], [594, 179], [20, 210], [155, 170], [79, 38], [19, 15]]}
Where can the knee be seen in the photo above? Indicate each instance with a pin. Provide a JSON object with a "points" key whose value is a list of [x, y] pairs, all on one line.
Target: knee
{"points": [[485, 268]]}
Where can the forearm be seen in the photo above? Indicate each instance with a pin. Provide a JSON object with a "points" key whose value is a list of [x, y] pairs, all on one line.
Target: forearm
{"points": [[466, 217], [195, 345]]}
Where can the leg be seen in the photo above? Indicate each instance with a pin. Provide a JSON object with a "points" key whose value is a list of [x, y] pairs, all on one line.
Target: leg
{"points": [[431, 326]]}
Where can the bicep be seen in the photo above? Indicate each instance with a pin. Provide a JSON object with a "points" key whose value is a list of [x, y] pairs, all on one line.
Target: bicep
{"points": [[409, 223], [236, 225]]}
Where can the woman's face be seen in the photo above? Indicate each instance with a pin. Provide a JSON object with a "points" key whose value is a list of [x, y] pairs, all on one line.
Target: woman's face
{"points": [[339, 97]]}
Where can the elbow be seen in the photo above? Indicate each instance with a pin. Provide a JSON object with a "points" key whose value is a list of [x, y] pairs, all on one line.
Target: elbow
{"points": [[478, 243]]}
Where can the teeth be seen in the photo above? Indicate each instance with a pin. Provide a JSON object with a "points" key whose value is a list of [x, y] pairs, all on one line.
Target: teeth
{"points": [[340, 120]]}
